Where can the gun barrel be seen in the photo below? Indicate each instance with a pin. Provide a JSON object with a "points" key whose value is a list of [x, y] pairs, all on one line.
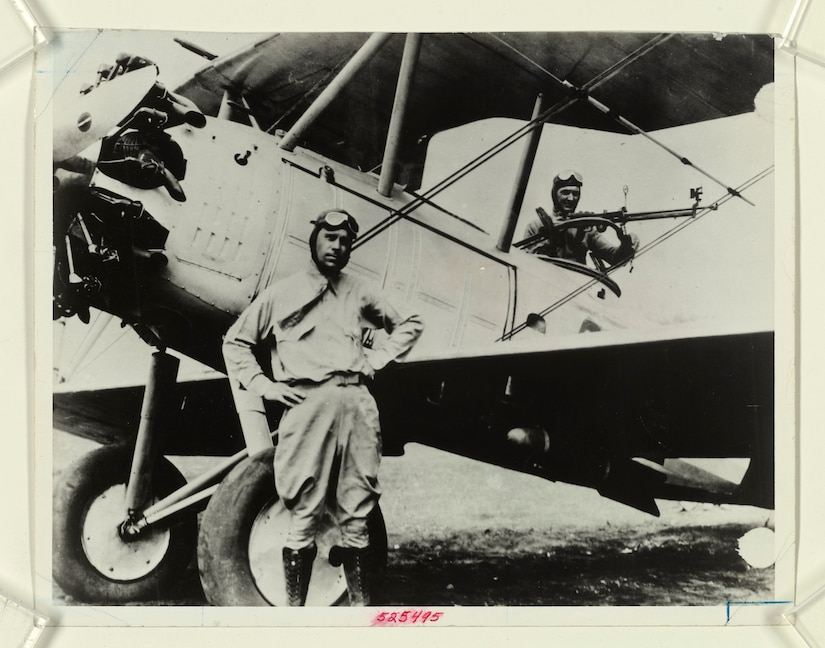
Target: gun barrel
{"points": [[624, 217]]}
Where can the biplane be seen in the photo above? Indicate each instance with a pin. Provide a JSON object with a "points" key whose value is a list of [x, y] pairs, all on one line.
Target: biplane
{"points": [[197, 198]]}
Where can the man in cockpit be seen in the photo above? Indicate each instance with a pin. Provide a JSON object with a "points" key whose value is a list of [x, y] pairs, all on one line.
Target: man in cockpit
{"points": [[574, 242], [310, 324]]}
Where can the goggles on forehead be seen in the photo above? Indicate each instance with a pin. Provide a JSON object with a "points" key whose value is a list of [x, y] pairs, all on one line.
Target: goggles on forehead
{"points": [[335, 219], [571, 177]]}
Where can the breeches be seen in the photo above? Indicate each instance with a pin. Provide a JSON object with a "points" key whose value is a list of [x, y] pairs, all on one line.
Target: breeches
{"points": [[328, 454]]}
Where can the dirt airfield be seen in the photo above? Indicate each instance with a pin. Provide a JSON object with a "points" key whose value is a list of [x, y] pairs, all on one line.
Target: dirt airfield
{"points": [[465, 533]]}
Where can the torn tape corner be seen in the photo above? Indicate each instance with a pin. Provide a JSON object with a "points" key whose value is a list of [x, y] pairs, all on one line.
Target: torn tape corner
{"points": [[21, 33], [802, 36], [20, 626]]}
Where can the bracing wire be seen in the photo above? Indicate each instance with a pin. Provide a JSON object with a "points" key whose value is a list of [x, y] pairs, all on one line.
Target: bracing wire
{"points": [[646, 248], [511, 139], [584, 93], [89, 361]]}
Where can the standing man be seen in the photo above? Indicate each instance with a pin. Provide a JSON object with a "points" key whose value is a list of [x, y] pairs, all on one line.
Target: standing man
{"points": [[329, 441], [573, 243]]}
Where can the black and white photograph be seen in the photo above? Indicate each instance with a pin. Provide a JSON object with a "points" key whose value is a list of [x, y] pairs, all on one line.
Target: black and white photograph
{"points": [[448, 326]]}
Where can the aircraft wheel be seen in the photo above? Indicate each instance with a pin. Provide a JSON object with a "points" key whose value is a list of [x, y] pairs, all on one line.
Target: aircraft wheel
{"points": [[242, 533], [92, 563]]}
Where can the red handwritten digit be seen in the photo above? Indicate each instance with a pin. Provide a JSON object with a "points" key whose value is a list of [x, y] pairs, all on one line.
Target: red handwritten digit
{"points": [[408, 617]]}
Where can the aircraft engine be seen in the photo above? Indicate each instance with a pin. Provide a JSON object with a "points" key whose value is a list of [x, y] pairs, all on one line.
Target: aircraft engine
{"points": [[141, 153], [108, 246], [146, 160], [105, 248]]}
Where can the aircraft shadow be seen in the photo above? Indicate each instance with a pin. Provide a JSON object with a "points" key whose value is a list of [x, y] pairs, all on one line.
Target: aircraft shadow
{"points": [[675, 566]]}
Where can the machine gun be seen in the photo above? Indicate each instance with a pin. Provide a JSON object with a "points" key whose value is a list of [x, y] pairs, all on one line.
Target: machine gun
{"points": [[615, 220]]}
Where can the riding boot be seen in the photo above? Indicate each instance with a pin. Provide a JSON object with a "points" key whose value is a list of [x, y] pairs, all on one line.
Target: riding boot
{"points": [[297, 570], [358, 571]]}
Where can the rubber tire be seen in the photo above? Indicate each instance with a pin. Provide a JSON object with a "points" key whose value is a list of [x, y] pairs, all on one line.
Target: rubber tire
{"points": [[74, 492], [226, 527]]}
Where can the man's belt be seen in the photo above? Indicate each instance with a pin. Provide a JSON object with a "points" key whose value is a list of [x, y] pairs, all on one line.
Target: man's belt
{"points": [[342, 380], [339, 380]]}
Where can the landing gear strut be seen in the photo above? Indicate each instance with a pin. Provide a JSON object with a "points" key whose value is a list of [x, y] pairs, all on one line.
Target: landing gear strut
{"points": [[100, 554]]}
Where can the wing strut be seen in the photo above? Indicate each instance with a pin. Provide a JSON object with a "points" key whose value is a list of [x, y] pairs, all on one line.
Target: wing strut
{"points": [[235, 108], [528, 156], [584, 93], [678, 228], [409, 60], [353, 66], [508, 141]]}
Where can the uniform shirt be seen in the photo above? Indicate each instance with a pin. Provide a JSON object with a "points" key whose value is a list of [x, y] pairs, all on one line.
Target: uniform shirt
{"points": [[573, 243], [311, 326]]}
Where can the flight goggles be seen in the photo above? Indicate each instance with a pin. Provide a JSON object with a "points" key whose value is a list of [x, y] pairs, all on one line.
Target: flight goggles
{"points": [[336, 219], [568, 178]]}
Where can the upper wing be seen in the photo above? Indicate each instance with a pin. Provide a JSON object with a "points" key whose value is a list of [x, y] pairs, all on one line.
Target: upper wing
{"points": [[462, 78]]}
